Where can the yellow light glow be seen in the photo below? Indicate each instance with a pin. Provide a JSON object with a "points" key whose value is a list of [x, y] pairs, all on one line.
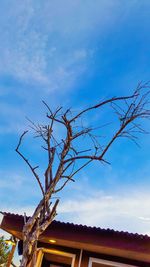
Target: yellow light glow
{"points": [[9, 242], [52, 241]]}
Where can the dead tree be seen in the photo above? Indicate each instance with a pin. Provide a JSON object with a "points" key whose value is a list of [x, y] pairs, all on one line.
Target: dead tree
{"points": [[65, 159]]}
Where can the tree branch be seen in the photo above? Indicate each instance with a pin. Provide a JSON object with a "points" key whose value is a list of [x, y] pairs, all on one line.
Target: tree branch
{"points": [[83, 157], [68, 179], [113, 99], [27, 162]]}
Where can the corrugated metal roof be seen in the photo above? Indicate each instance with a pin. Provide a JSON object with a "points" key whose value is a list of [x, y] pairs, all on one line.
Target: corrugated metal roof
{"points": [[87, 228]]}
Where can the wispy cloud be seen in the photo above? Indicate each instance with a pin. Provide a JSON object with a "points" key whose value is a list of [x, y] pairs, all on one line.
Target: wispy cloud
{"points": [[125, 212], [19, 210], [47, 46], [17, 185], [129, 211], [49, 43]]}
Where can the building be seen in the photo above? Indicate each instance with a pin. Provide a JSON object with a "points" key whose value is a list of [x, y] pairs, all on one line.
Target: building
{"points": [[71, 245]]}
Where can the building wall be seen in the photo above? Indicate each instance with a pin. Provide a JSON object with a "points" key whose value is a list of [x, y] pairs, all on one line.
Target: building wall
{"points": [[84, 258]]}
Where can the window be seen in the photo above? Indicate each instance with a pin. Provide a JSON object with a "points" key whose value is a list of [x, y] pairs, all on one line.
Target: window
{"points": [[54, 258], [94, 262]]}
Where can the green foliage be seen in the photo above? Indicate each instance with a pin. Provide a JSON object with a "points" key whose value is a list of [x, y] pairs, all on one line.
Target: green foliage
{"points": [[4, 251]]}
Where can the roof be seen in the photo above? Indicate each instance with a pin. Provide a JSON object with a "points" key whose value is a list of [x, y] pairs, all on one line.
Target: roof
{"points": [[86, 228]]}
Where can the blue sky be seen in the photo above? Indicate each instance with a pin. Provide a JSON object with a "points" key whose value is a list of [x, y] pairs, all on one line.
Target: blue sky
{"points": [[74, 53]]}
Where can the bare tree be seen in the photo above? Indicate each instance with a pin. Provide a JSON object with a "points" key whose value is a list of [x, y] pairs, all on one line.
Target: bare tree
{"points": [[65, 159]]}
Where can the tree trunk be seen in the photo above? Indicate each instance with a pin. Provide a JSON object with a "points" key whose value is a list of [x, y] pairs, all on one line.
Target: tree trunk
{"points": [[29, 245], [29, 252], [33, 228]]}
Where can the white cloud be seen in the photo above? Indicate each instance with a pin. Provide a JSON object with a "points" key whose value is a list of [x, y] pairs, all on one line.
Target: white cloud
{"points": [[129, 211], [48, 43], [124, 212], [46, 47], [17, 186], [17, 209]]}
